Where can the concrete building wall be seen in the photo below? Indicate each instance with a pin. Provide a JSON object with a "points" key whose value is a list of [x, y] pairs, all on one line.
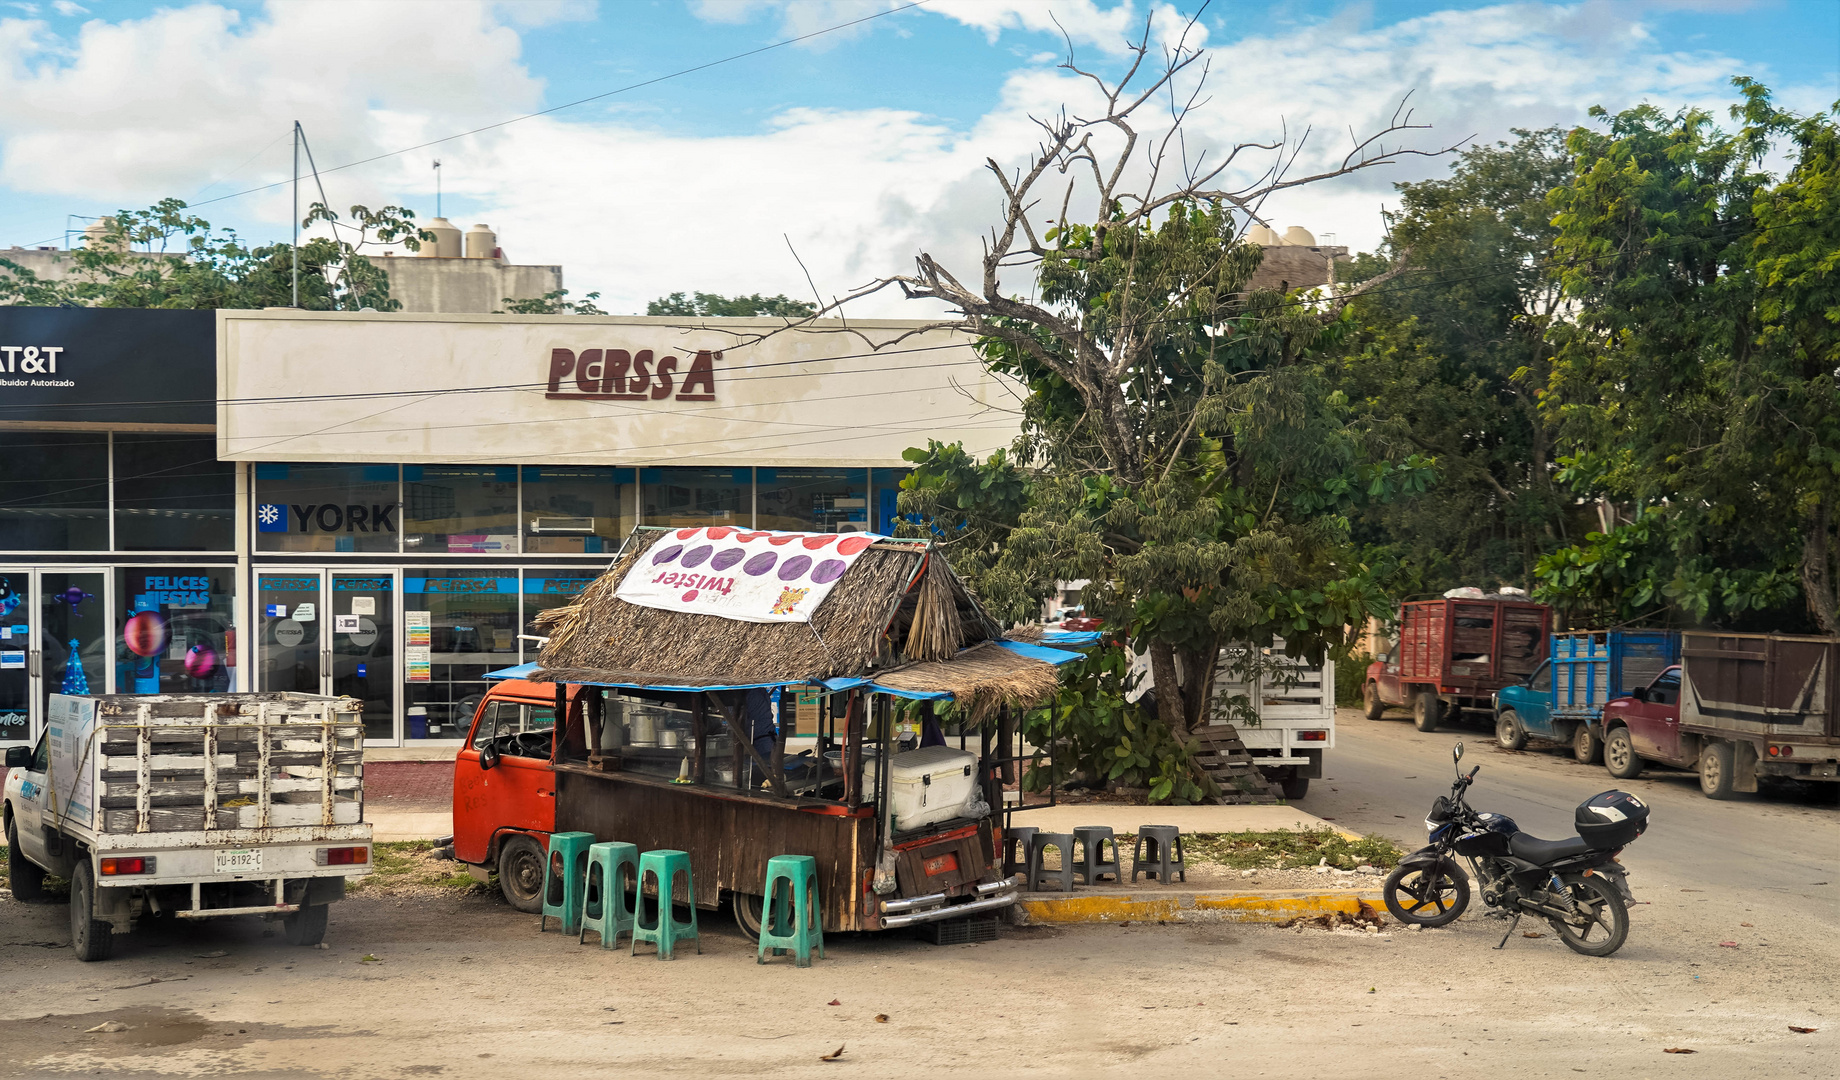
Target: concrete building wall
{"points": [[1287, 266], [432, 285]]}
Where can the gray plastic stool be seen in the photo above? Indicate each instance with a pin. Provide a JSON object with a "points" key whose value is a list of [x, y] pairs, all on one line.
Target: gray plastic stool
{"points": [[1093, 863], [1016, 849], [1164, 840], [1038, 875]]}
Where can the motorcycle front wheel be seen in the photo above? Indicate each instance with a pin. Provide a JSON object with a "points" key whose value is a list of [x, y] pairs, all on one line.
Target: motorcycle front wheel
{"points": [[1608, 925], [1427, 896]]}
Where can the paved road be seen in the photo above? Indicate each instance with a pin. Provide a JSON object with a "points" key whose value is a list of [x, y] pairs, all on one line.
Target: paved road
{"points": [[1774, 850]]}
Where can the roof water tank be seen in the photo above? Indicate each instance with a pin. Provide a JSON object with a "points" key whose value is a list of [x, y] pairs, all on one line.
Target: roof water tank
{"points": [[481, 242], [96, 235], [1261, 236], [446, 243], [1298, 236]]}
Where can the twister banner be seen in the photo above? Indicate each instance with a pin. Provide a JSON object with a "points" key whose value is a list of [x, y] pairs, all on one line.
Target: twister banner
{"points": [[740, 574]]}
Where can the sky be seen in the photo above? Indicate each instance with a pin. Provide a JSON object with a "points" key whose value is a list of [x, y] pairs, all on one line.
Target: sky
{"points": [[813, 166]]}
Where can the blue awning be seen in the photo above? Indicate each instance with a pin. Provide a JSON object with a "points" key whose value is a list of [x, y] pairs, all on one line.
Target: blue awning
{"points": [[1069, 637]]}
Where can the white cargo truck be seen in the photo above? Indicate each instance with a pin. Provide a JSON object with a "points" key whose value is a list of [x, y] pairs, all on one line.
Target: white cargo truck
{"points": [[190, 806], [1285, 712]]}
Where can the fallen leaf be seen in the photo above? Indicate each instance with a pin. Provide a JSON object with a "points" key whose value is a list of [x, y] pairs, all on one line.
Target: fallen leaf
{"points": [[1531, 933], [881, 1018], [109, 1026], [1744, 924], [834, 1001], [1678, 1050], [1728, 944], [833, 1055], [1373, 989], [212, 955], [1803, 1030], [367, 958]]}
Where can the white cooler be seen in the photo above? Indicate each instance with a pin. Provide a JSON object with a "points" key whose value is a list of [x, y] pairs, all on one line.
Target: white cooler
{"points": [[926, 785]]}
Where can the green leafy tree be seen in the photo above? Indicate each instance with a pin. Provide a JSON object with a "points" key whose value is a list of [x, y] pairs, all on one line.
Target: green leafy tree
{"points": [[1696, 387], [163, 257], [712, 305], [552, 303]]}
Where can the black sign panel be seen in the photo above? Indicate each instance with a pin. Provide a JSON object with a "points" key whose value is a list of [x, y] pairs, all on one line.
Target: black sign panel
{"points": [[108, 365]]}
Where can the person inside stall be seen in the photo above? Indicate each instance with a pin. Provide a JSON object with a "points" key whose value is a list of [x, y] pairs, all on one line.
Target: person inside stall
{"points": [[757, 713]]}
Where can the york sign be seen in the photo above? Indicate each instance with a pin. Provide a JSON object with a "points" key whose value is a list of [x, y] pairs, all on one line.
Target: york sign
{"points": [[326, 517], [619, 375]]}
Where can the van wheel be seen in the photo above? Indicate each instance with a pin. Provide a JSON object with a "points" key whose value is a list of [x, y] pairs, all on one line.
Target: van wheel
{"points": [[1510, 733], [306, 926], [521, 862], [1620, 755], [1715, 769], [1427, 710], [92, 939], [1370, 699], [750, 913], [26, 876], [1587, 748]]}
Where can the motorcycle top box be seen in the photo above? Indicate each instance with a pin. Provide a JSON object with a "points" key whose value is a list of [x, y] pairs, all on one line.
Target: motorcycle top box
{"points": [[1611, 819]]}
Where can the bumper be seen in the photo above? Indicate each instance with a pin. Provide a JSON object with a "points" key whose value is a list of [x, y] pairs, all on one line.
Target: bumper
{"points": [[992, 896], [198, 864]]}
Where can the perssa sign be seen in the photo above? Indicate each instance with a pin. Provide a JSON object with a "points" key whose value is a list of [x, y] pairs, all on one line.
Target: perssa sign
{"points": [[619, 375]]}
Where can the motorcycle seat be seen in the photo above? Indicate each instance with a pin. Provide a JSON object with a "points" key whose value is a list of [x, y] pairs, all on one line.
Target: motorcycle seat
{"points": [[1535, 850]]}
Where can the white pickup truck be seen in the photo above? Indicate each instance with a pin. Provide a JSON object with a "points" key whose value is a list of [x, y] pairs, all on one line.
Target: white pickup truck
{"points": [[189, 805], [1291, 705]]}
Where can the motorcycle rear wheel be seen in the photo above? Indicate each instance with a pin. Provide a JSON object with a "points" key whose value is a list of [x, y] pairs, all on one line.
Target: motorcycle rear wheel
{"points": [[1412, 890], [1599, 900]]}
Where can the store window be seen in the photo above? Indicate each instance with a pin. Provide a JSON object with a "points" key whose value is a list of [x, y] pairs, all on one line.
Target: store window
{"points": [[459, 508], [884, 492], [576, 511], [694, 497], [172, 494], [458, 624], [327, 507], [54, 491], [812, 500], [543, 590], [175, 634]]}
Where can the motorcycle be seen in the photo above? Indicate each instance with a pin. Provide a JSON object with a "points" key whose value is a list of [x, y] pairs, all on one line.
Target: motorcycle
{"points": [[1578, 885]]}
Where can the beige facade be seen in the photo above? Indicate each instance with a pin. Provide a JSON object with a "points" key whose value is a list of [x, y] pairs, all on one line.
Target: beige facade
{"points": [[435, 285], [594, 390]]}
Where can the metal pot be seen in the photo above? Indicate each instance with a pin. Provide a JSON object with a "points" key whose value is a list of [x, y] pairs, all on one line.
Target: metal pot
{"points": [[668, 738]]}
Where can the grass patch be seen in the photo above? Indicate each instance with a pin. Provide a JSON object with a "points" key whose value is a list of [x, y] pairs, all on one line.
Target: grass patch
{"points": [[1285, 850], [410, 866]]}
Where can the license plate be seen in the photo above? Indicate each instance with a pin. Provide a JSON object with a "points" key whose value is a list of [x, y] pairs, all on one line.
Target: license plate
{"points": [[242, 861]]}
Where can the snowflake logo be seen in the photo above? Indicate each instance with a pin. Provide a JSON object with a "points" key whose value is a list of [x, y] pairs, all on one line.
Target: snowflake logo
{"points": [[269, 513]]}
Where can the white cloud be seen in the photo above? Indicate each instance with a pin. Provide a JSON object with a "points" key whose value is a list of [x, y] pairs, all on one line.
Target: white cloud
{"points": [[68, 8]]}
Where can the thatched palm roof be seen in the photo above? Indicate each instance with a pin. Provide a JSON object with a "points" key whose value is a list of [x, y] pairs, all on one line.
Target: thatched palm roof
{"points": [[899, 604]]}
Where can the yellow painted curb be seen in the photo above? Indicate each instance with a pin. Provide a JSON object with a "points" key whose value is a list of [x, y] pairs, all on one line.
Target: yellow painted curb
{"points": [[1190, 907]]}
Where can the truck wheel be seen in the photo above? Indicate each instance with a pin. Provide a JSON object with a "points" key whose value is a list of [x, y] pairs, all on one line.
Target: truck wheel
{"points": [[1370, 698], [27, 877], [521, 862], [750, 912], [1620, 755], [1587, 748], [1510, 733], [92, 939], [306, 926], [1295, 786], [1715, 769], [1427, 710]]}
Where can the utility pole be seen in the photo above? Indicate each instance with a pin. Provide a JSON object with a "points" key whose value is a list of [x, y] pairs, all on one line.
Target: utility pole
{"points": [[296, 213], [437, 187]]}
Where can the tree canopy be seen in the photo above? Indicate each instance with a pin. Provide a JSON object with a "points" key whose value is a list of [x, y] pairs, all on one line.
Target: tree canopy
{"points": [[713, 305]]}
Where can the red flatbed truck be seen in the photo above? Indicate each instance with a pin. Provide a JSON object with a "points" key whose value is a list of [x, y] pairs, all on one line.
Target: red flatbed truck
{"points": [[1453, 654]]}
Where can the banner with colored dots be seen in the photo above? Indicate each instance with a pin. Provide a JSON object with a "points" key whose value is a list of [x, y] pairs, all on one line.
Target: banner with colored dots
{"points": [[751, 576]]}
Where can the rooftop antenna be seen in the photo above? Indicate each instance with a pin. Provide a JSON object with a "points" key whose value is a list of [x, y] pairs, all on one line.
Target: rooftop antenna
{"points": [[296, 252], [437, 187]]}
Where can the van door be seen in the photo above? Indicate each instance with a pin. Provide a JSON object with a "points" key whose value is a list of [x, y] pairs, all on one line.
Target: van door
{"points": [[30, 809], [519, 792]]}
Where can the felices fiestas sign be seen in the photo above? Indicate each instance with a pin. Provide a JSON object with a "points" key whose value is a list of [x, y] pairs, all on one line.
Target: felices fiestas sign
{"points": [[619, 375]]}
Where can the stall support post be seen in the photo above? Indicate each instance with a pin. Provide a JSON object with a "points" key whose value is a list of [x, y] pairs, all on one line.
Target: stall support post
{"points": [[852, 752], [1006, 734], [594, 710], [697, 713], [559, 731], [779, 746]]}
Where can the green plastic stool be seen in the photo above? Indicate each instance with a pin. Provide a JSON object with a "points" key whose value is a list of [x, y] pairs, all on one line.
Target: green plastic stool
{"points": [[793, 919], [565, 876], [608, 907], [663, 928]]}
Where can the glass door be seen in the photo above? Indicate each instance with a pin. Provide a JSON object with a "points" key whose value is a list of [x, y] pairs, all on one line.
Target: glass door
{"points": [[18, 655], [332, 632]]}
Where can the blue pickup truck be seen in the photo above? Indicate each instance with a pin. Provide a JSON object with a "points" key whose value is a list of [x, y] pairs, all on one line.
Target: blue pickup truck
{"points": [[1563, 700]]}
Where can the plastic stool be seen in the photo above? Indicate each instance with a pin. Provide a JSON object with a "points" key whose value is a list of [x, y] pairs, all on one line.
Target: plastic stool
{"points": [[1038, 846], [607, 908], [1163, 840], [662, 928], [565, 876], [1093, 863], [1016, 849], [792, 919]]}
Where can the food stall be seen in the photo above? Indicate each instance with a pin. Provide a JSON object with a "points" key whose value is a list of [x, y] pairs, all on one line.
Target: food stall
{"points": [[663, 668]]}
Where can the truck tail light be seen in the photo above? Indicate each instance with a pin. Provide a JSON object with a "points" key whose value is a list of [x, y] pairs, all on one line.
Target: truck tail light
{"points": [[342, 856], [136, 864], [1782, 751], [1312, 736]]}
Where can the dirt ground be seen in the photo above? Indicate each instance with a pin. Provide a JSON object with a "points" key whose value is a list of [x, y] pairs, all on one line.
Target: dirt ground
{"points": [[461, 985]]}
